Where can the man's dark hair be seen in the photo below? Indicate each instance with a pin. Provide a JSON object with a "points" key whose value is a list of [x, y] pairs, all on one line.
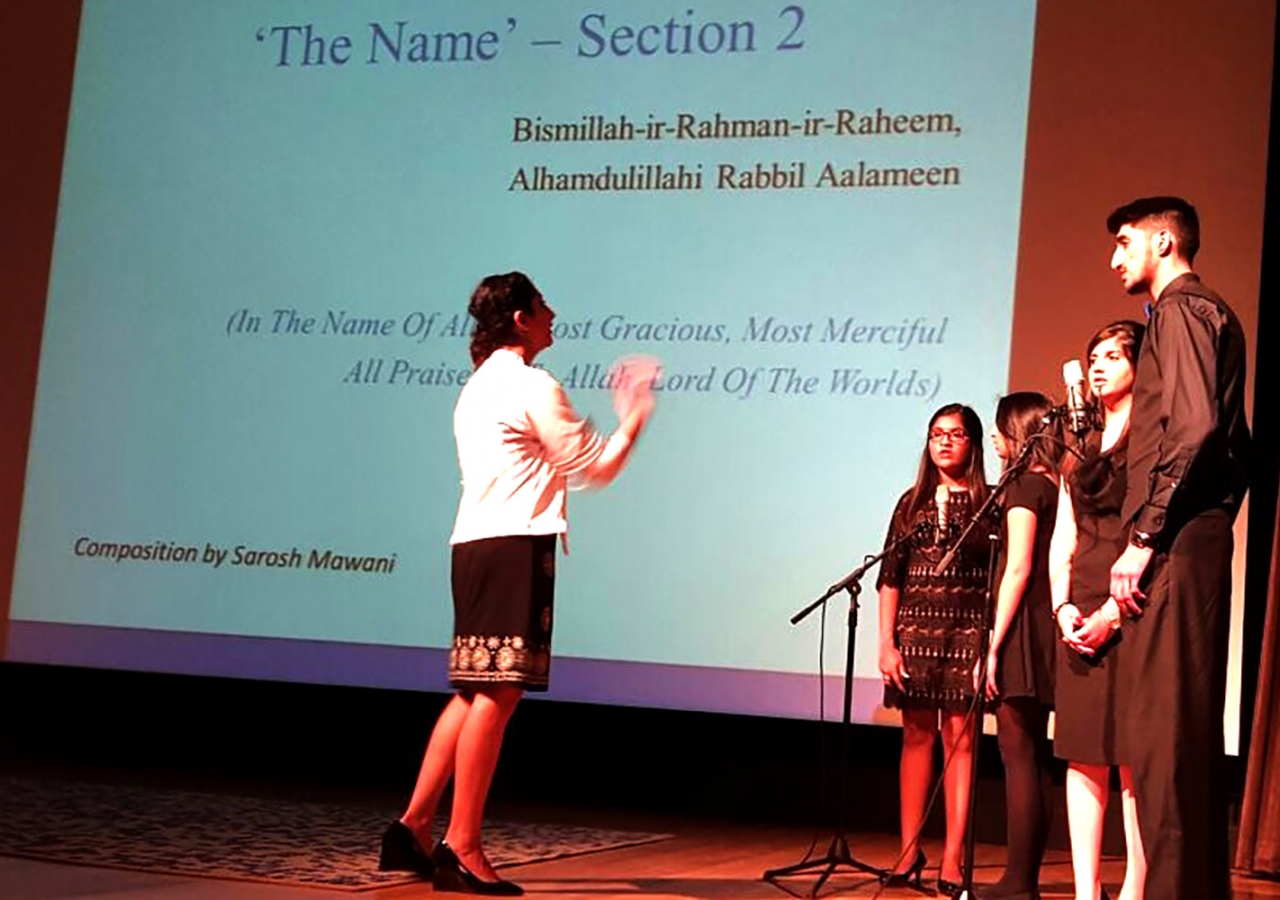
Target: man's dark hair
{"points": [[1172, 213]]}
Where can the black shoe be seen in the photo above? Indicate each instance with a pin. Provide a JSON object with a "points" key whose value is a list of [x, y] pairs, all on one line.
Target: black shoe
{"points": [[948, 888], [401, 852], [909, 878], [452, 875]]}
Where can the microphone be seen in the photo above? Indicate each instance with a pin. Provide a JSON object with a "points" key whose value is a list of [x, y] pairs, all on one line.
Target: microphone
{"points": [[1078, 412], [941, 499]]}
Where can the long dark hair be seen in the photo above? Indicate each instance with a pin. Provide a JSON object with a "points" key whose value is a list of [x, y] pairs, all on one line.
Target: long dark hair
{"points": [[494, 304], [975, 476], [1019, 416], [1128, 335]]}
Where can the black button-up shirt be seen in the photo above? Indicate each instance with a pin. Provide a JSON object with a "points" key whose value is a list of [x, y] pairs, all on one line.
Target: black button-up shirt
{"points": [[1189, 446]]}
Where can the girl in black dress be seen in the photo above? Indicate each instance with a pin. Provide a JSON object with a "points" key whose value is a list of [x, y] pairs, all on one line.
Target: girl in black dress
{"points": [[1020, 660], [1087, 538], [930, 626]]}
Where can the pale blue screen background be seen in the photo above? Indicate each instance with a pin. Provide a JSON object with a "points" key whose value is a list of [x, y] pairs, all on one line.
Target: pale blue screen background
{"points": [[213, 182]]}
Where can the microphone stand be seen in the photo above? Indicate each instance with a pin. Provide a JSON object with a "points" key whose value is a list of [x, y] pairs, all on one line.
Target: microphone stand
{"points": [[838, 853], [1077, 424], [965, 890]]}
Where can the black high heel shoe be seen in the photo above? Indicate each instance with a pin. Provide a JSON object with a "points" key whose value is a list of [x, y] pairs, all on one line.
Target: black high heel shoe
{"points": [[909, 878], [452, 875], [401, 852], [947, 888]]}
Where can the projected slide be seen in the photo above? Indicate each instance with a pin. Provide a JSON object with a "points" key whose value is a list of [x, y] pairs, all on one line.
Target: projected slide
{"points": [[272, 215]]}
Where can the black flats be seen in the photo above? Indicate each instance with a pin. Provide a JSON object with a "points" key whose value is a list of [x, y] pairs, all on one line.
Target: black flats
{"points": [[401, 852], [452, 875], [909, 878]]}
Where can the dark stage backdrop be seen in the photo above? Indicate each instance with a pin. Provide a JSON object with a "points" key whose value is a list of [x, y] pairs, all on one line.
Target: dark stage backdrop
{"points": [[827, 219]]}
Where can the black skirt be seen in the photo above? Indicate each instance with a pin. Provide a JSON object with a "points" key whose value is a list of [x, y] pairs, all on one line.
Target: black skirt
{"points": [[503, 589]]}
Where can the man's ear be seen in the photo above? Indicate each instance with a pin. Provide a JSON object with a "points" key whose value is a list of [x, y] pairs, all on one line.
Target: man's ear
{"points": [[1163, 240]]}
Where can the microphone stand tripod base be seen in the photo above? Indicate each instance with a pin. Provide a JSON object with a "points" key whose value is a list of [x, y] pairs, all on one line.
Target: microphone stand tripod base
{"points": [[837, 855]]}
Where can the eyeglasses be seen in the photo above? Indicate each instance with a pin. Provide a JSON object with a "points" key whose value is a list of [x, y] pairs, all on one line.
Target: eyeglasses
{"points": [[955, 436]]}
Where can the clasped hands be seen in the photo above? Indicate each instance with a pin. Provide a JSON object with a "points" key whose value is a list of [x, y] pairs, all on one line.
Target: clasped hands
{"points": [[1086, 635]]}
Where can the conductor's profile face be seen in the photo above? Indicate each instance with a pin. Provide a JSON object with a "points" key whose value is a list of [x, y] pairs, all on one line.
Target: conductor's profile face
{"points": [[535, 326]]}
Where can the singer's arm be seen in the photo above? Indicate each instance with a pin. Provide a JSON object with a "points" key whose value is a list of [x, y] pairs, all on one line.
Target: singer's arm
{"points": [[1020, 530], [1184, 332], [893, 574], [1062, 550], [892, 668], [573, 447], [1187, 333]]}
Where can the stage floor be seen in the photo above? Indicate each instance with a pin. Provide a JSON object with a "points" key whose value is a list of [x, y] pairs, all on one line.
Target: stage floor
{"points": [[703, 859]]}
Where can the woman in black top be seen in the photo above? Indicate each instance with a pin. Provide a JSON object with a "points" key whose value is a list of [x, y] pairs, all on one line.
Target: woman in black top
{"points": [[1087, 539], [1020, 660]]}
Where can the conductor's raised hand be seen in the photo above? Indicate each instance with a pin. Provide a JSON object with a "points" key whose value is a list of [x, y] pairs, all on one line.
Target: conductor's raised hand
{"points": [[633, 378]]}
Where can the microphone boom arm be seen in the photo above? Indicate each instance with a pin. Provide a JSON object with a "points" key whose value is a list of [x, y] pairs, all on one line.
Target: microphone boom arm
{"points": [[851, 581]]}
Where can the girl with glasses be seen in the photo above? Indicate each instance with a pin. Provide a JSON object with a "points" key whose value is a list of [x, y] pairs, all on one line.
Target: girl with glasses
{"points": [[930, 627]]}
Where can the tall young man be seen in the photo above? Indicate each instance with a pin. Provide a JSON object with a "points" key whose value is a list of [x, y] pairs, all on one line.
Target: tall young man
{"points": [[1188, 465]]}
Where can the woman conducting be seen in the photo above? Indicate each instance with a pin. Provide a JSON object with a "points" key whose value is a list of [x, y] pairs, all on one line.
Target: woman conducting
{"points": [[520, 443]]}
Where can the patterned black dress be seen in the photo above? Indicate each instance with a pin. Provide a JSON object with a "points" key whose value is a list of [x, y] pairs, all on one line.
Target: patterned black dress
{"points": [[940, 617]]}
